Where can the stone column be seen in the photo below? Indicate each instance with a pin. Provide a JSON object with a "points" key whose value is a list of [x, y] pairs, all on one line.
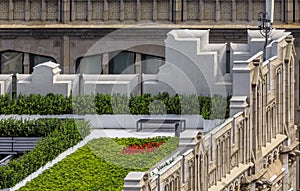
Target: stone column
{"points": [[122, 13], [201, 10], [44, 12], [138, 69], [154, 13], [250, 10], [285, 163], [138, 11], [171, 11], [65, 11], [288, 12], [184, 11], [65, 54], [177, 11], [27, 10], [73, 11], [297, 11], [11, 10], [233, 5], [218, 10], [89, 10], [105, 62], [26, 63], [105, 11], [264, 100]]}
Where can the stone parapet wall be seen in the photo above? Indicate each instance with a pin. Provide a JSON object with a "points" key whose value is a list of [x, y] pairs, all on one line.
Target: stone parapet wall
{"points": [[5, 84], [46, 79]]}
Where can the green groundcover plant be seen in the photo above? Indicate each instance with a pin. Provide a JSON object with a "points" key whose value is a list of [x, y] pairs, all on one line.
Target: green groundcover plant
{"points": [[100, 165], [214, 107], [61, 135]]}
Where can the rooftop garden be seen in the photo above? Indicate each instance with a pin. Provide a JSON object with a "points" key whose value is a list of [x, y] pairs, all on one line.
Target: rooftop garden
{"points": [[215, 107], [103, 164]]}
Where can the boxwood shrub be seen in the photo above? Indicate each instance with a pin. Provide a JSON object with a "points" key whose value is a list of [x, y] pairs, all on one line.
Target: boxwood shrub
{"points": [[212, 107], [61, 136], [100, 165]]}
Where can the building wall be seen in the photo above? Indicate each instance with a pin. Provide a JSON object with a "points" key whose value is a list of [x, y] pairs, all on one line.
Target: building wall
{"points": [[255, 149], [108, 11]]}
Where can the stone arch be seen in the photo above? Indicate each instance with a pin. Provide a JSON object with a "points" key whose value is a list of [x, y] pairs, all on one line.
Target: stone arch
{"points": [[231, 187], [236, 184], [270, 158], [242, 179], [275, 154]]}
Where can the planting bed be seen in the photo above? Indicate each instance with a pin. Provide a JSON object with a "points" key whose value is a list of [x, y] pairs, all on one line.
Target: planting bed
{"points": [[57, 136], [102, 164]]}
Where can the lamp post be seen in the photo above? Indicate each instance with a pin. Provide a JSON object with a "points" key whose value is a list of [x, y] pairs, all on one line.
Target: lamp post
{"points": [[264, 26]]}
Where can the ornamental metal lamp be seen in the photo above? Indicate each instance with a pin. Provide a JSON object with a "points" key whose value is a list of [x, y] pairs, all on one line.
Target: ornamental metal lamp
{"points": [[264, 26]]}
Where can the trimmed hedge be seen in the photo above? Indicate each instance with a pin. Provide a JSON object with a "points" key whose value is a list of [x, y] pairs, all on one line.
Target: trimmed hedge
{"points": [[209, 107], [100, 165], [28, 128], [65, 134]]}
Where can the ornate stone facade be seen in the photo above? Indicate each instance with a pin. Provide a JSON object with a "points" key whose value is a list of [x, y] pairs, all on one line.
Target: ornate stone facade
{"points": [[253, 150]]}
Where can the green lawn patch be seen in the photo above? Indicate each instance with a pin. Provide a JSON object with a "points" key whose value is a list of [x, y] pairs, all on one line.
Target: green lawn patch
{"points": [[100, 165]]}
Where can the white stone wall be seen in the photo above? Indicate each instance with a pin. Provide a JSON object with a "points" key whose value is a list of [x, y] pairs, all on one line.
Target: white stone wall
{"points": [[109, 84], [193, 66], [244, 58], [5, 84], [46, 78]]}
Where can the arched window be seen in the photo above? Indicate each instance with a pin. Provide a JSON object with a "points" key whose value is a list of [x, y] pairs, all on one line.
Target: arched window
{"points": [[11, 62], [39, 59], [122, 62], [151, 64], [89, 64]]}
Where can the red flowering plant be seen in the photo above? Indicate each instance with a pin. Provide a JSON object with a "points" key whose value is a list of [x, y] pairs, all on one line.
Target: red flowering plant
{"points": [[142, 147]]}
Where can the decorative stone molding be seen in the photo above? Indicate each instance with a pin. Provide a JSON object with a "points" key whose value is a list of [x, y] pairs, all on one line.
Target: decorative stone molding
{"points": [[6, 84], [46, 78]]}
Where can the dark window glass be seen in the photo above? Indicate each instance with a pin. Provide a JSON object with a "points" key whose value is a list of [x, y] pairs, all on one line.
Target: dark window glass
{"points": [[11, 62], [122, 63], [38, 59], [151, 64], [89, 65]]}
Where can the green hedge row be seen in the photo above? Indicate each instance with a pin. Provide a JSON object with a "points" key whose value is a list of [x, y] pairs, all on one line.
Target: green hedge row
{"points": [[100, 165], [65, 135], [209, 107], [28, 128]]}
